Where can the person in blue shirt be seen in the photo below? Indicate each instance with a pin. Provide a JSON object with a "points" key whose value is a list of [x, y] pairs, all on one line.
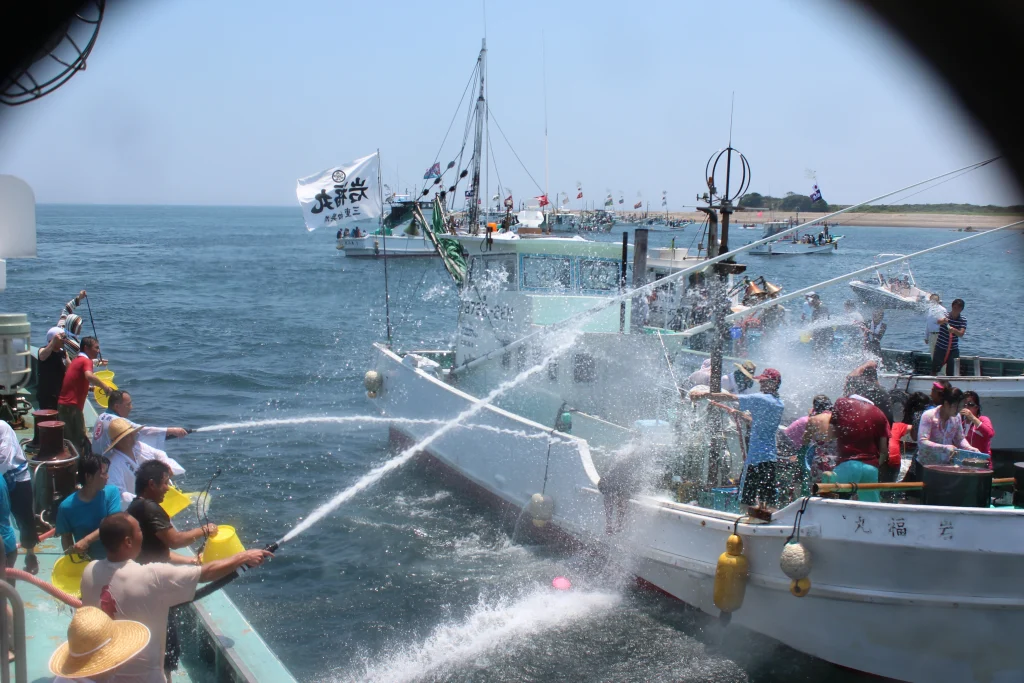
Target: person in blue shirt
{"points": [[765, 408], [6, 530], [80, 514]]}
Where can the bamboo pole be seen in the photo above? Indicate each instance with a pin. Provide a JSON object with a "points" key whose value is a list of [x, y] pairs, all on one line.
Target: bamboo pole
{"points": [[886, 486]]}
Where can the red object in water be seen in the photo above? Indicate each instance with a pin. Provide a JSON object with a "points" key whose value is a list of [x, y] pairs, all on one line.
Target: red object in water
{"points": [[561, 583]]}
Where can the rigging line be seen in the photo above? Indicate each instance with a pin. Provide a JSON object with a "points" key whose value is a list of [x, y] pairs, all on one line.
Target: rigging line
{"points": [[924, 189], [495, 162], [588, 313], [539, 188], [452, 122]]}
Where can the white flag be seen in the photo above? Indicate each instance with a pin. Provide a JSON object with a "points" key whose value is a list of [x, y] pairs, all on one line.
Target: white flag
{"points": [[341, 195]]}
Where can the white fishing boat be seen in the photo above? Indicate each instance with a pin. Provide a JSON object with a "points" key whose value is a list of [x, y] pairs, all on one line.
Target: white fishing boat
{"points": [[797, 245], [892, 287], [882, 598], [398, 236]]}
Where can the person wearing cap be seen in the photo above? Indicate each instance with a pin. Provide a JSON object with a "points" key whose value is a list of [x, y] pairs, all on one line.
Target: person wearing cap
{"points": [[822, 334], [53, 361], [125, 589], [124, 461], [75, 390], [152, 440], [98, 647], [765, 408], [17, 479], [807, 310]]}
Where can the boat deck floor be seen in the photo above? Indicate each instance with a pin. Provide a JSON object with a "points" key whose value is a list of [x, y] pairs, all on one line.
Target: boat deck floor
{"points": [[218, 643]]}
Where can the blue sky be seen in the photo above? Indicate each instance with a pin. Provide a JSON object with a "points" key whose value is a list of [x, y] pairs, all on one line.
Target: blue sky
{"points": [[193, 102]]}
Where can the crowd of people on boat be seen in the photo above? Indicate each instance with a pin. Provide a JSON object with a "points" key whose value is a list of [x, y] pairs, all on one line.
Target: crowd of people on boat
{"points": [[113, 519], [854, 439]]}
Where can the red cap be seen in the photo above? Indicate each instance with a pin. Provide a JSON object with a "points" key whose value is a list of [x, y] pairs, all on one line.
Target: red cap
{"points": [[771, 374]]}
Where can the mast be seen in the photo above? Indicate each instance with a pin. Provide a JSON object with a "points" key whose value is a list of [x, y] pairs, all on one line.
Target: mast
{"points": [[473, 218], [544, 79]]}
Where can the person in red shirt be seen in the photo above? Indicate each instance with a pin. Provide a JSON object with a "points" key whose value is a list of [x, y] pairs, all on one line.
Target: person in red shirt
{"points": [[77, 380], [862, 435]]}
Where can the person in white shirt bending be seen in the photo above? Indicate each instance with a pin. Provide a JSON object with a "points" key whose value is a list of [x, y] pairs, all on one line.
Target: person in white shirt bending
{"points": [[936, 312]]}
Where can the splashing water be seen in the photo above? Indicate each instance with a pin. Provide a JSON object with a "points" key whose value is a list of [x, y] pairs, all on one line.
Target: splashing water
{"points": [[356, 419], [487, 628], [568, 338], [345, 419]]}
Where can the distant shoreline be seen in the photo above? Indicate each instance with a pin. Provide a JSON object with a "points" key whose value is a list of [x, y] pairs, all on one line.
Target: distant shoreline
{"points": [[946, 221]]}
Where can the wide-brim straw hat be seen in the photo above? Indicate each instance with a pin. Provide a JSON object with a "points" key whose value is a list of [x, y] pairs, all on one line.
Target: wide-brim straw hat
{"points": [[117, 430], [97, 644], [747, 368]]}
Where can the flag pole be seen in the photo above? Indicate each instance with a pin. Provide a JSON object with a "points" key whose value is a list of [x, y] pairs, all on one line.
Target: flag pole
{"points": [[384, 240]]}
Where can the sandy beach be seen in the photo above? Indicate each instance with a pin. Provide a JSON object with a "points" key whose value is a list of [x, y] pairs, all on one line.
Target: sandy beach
{"points": [[891, 220]]}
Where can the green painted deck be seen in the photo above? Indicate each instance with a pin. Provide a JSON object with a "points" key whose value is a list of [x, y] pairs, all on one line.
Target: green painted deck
{"points": [[218, 643]]}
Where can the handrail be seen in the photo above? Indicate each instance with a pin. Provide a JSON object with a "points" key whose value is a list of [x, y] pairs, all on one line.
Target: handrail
{"points": [[7, 593]]}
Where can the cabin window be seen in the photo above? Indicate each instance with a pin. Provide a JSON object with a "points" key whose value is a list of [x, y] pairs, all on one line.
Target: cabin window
{"points": [[553, 370], [602, 276], [547, 272], [584, 369], [493, 273]]}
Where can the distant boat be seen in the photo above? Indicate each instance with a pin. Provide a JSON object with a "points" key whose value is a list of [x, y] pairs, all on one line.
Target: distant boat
{"points": [[797, 246], [894, 288], [398, 236]]}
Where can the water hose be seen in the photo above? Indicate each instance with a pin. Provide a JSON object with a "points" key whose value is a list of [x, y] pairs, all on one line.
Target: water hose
{"points": [[66, 598], [886, 486], [215, 586]]}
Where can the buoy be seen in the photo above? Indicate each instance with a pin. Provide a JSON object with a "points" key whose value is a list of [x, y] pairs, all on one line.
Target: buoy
{"points": [[731, 577], [373, 381], [796, 564], [540, 508], [561, 583]]}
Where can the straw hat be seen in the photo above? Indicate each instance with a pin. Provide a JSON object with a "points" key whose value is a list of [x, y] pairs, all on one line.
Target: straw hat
{"points": [[97, 644], [118, 429], [747, 368]]}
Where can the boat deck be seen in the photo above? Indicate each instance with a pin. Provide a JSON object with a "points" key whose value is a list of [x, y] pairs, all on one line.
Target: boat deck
{"points": [[218, 643]]}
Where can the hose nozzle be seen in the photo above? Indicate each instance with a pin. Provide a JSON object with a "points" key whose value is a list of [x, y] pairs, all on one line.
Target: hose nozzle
{"points": [[272, 548]]}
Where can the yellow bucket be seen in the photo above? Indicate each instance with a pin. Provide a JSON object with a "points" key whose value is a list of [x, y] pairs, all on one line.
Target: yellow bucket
{"points": [[67, 574], [222, 544], [98, 393], [805, 337], [175, 501]]}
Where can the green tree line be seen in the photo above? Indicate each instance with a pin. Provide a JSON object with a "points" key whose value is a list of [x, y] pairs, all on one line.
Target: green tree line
{"points": [[800, 202]]}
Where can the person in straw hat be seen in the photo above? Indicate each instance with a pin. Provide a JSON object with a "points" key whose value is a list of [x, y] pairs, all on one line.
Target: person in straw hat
{"points": [[97, 647], [124, 461]]}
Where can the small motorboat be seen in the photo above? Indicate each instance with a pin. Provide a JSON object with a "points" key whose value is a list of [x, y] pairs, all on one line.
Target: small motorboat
{"points": [[893, 287]]}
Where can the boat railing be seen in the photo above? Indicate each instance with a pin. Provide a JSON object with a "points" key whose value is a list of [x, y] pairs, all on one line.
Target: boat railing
{"points": [[12, 641]]}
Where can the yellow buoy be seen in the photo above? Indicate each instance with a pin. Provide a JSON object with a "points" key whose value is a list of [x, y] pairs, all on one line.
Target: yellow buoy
{"points": [[541, 508], [731, 576], [800, 587]]}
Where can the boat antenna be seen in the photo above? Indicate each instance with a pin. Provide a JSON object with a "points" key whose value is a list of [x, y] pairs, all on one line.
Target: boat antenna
{"points": [[384, 240]]}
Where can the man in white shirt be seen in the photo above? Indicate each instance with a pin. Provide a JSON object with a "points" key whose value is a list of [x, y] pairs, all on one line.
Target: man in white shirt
{"points": [[936, 312], [18, 480], [125, 589], [120, 405]]}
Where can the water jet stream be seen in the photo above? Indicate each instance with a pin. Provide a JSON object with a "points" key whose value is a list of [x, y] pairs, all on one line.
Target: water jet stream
{"points": [[487, 628], [374, 475]]}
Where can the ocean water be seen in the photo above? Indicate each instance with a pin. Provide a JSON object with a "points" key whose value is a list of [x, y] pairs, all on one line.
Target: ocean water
{"points": [[218, 315]]}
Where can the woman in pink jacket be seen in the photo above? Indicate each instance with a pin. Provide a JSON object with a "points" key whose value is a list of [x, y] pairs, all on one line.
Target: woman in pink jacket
{"points": [[978, 429]]}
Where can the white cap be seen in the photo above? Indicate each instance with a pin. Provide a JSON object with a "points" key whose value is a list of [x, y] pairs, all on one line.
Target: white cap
{"points": [[53, 332], [810, 295]]}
